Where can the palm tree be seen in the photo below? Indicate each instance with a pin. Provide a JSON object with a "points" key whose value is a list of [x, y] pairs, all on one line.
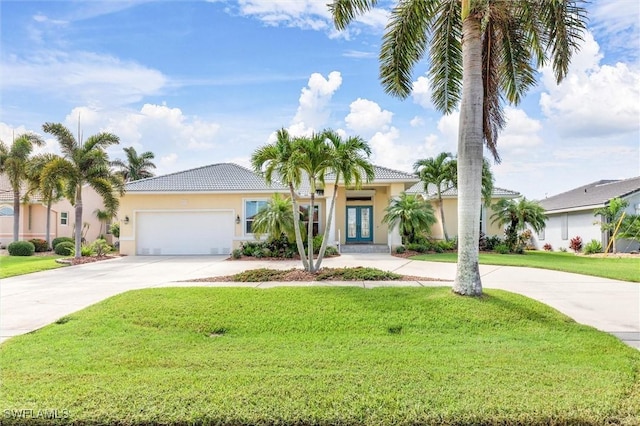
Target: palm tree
{"points": [[517, 214], [610, 215], [51, 190], [103, 217], [281, 160], [84, 163], [349, 162], [14, 162], [275, 219], [481, 53], [413, 214], [440, 172], [135, 167]]}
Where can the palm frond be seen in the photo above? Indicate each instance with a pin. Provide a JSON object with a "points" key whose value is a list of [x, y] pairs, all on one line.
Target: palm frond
{"points": [[404, 44], [65, 138], [345, 11], [445, 72]]}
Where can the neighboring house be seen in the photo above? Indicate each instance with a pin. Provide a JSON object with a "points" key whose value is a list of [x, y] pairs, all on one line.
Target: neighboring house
{"points": [[209, 210], [33, 216], [571, 213], [450, 207]]}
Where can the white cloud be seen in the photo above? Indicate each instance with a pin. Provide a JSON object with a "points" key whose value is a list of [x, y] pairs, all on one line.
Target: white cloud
{"points": [[594, 100], [312, 111], [416, 122], [521, 131], [82, 77], [388, 151], [366, 116], [421, 93]]}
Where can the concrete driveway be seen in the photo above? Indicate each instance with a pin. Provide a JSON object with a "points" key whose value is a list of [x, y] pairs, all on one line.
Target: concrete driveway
{"points": [[32, 301]]}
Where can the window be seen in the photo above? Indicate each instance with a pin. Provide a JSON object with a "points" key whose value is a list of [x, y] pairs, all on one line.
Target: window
{"points": [[304, 218], [251, 208], [564, 226], [6, 211], [482, 213], [64, 218]]}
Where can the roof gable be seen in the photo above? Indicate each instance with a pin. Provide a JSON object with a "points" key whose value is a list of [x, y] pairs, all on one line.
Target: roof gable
{"points": [[452, 191], [596, 194]]}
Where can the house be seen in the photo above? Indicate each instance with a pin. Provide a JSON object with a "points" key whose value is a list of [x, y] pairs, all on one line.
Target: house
{"points": [[209, 210], [450, 207], [571, 213], [33, 216]]}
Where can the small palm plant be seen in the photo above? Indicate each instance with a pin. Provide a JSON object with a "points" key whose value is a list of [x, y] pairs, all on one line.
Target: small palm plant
{"points": [[276, 219], [412, 214]]}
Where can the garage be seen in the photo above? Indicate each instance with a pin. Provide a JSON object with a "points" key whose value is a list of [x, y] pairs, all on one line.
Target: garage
{"points": [[202, 232]]}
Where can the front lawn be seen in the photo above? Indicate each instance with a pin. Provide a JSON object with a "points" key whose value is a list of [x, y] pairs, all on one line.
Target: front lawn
{"points": [[10, 266], [625, 268], [321, 356]]}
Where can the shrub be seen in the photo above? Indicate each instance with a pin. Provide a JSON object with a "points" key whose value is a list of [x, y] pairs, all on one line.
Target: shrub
{"points": [[236, 254], [115, 229], [356, 274], [86, 250], [331, 251], [563, 249], [576, 244], [501, 248], [445, 245], [59, 240], [492, 242], [21, 248], [65, 248], [547, 247], [592, 247], [416, 247], [40, 245], [100, 247], [400, 249]]}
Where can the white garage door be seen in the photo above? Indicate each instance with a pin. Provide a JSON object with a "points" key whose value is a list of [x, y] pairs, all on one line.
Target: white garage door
{"points": [[187, 233]]}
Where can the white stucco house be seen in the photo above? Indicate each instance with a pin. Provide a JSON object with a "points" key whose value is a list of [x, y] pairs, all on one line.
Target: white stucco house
{"points": [[571, 213]]}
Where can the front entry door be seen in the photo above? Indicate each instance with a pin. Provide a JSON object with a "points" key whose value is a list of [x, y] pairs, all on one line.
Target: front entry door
{"points": [[359, 224]]}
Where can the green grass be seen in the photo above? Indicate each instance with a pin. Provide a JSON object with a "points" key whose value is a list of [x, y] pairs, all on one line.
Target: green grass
{"points": [[320, 356], [10, 266], [625, 269]]}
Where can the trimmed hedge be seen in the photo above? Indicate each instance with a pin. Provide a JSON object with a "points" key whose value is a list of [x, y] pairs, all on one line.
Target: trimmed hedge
{"points": [[59, 240], [65, 248], [21, 248], [40, 244]]}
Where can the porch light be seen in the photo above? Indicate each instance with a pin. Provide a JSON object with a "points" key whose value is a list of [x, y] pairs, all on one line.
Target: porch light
{"points": [[126, 220], [238, 219]]}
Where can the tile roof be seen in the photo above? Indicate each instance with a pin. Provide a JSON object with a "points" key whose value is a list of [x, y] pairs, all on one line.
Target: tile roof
{"points": [[6, 192], [452, 192], [223, 177], [594, 194], [229, 177]]}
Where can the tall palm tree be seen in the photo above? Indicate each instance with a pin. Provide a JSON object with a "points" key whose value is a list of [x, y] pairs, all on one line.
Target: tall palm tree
{"points": [[84, 162], [281, 160], [50, 190], [412, 214], [517, 214], [275, 219], [14, 162], [440, 172], [349, 163], [481, 53], [135, 167]]}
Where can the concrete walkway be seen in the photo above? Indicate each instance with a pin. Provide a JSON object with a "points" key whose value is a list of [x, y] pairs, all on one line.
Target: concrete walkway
{"points": [[32, 301]]}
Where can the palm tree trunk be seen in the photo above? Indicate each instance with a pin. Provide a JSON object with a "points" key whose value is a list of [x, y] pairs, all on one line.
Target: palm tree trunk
{"points": [[16, 215], [470, 160], [78, 224], [296, 226], [310, 212], [48, 226], [325, 235], [444, 227]]}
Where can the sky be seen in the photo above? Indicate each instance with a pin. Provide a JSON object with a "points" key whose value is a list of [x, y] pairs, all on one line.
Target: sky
{"points": [[205, 82]]}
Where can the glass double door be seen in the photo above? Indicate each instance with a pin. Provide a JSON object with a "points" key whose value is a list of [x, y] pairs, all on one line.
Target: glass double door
{"points": [[359, 224]]}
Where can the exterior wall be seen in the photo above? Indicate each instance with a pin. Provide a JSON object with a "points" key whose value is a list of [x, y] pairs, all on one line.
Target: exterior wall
{"points": [[625, 246], [450, 206], [32, 224], [578, 224], [131, 204]]}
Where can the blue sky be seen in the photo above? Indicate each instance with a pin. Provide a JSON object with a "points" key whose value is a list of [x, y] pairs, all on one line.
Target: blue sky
{"points": [[203, 82]]}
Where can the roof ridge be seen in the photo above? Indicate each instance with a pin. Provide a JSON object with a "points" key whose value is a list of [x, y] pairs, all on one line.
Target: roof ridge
{"points": [[190, 170], [394, 170]]}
